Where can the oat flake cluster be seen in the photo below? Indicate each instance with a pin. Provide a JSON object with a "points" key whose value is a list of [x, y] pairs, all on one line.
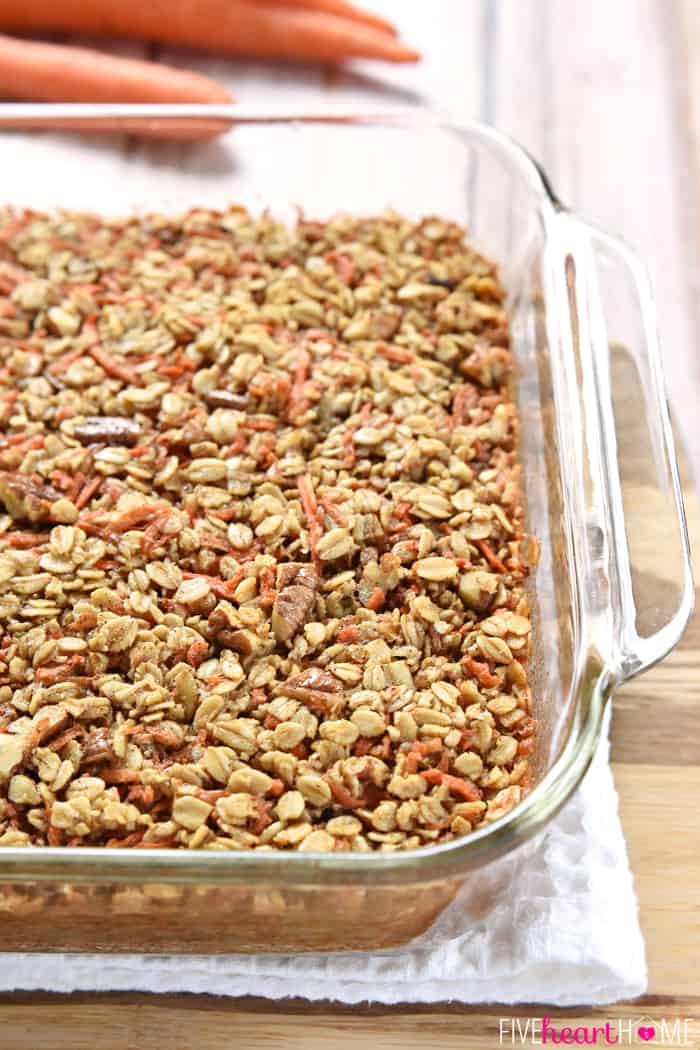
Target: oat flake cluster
{"points": [[262, 556]]}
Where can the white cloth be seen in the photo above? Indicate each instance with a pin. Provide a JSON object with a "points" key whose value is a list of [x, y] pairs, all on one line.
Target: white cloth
{"points": [[567, 934]]}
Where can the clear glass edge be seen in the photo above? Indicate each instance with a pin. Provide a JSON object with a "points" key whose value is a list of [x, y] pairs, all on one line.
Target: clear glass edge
{"points": [[638, 654], [428, 863]]}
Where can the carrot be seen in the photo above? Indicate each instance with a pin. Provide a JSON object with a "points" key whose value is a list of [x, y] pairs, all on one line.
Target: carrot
{"points": [[111, 367], [376, 599], [334, 512], [297, 401], [240, 27], [490, 556], [344, 797], [338, 7], [481, 672], [396, 353], [266, 580], [87, 492], [350, 457], [23, 540], [455, 785], [221, 588], [308, 502], [57, 73]]}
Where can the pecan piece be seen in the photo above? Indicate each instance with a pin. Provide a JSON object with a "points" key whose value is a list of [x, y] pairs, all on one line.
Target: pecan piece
{"points": [[296, 593], [316, 687], [25, 499], [107, 430], [97, 748], [225, 399]]}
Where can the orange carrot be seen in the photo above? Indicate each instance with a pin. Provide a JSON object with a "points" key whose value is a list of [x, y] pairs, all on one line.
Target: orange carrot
{"points": [[490, 556], [396, 353], [481, 672], [376, 599], [297, 401], [57, 73], [334, 512], [86, 493], [308, 502], [338, 7], [455, 785], [111, 367], [240, 27], [24, 540]]}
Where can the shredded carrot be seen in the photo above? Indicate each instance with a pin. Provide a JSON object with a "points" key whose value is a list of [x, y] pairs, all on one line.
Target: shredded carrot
{"points": [[70, 734], [213, 542], [297, 400], [349, 437], [376, 599], [334, 512], [258, 423], [344, 797], [49, 675], [136, 516], [308, 502], [65, 361], [238, 445], [395, 353], [129, 840], [526, 747], [87, 492], [455, 785], [465, 398], [18, 441], [418, 751], [481, 672], [113, 368], [142, 793], [25, 539], [490, 556], [267, 588], [348, 635], [180, 364], [258, 696]]}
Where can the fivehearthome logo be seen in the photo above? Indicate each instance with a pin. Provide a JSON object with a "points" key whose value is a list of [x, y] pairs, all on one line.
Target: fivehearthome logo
{"points": [[619, 1031]]}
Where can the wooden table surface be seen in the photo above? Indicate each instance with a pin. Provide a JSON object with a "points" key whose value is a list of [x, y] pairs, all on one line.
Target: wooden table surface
{"points": [[607, 96]]}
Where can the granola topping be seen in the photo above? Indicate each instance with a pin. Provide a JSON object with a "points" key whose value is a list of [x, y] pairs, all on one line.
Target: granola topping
{"points": [[262, 569]]}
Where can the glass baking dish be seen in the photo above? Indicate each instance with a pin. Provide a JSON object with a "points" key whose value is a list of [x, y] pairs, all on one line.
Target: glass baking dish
{"points": [[572, 293]]}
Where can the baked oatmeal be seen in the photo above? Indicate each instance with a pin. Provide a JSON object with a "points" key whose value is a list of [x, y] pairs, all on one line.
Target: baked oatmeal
{"points": [[262, 548]]}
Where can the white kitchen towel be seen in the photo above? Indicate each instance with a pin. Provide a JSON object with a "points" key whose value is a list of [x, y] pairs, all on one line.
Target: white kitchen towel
{"points": [[566, 933]]}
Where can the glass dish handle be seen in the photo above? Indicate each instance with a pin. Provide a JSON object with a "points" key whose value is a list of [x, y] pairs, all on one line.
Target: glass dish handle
{"points": [[646, 517]]}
